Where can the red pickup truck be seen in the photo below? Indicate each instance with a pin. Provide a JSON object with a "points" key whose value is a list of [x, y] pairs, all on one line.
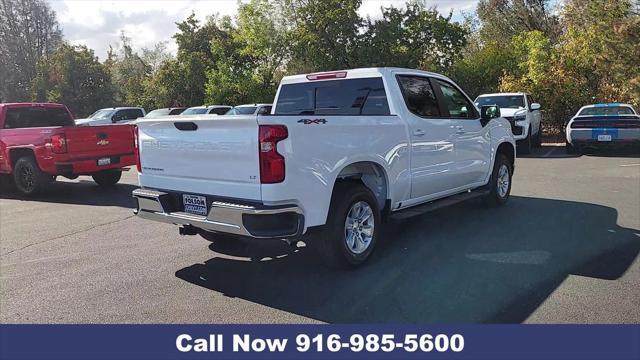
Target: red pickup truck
{"points": [[39, 141]]}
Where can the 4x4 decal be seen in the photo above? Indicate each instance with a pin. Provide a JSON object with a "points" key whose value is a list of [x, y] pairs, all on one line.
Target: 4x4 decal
{"points": [[312, 121]]}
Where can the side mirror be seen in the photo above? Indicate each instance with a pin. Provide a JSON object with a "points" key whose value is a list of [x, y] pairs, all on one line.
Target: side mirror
{"points": [[116, 118], [488, 112], [535, 106]]}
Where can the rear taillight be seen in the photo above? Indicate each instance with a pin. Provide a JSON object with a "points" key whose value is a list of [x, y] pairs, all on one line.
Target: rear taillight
{"points": [[59, 143], [271, 162], [136, 144]]}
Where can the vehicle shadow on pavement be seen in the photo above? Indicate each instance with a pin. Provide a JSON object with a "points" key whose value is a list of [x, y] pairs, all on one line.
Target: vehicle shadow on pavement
{"points": [[461, 264], [83, 192]]}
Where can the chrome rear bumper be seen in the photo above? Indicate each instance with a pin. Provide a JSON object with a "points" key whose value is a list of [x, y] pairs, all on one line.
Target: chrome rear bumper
{"points": [[249, 220]]}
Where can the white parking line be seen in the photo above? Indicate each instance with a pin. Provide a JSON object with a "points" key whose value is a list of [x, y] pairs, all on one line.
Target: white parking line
{"points": [[625, 165]]}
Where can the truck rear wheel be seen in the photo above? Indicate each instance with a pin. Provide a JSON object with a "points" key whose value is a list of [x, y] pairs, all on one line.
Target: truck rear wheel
{"points": [[28, 178], [107, 177], [500, 182], [352, 227]]}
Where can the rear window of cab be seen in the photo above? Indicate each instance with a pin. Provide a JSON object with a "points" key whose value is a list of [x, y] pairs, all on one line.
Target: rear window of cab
{"points": [[365, 96], [29, 117]]}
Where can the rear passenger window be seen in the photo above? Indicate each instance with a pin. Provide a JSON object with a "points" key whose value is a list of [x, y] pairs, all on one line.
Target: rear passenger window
{"points": [[456, 104], [364, 96], [419, 96]]}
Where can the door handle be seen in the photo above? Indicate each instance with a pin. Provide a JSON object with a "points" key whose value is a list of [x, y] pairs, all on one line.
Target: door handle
{"points": [[418, 132], [459, 130]]}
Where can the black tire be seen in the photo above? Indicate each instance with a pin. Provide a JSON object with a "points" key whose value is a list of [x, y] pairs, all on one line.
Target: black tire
{"points": [[524, 146], [107, 177], [331, 245], [28, 178], [496, 197]]}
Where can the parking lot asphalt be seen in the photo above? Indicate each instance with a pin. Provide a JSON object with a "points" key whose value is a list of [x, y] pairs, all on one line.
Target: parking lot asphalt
{"points": [[565, 249]]}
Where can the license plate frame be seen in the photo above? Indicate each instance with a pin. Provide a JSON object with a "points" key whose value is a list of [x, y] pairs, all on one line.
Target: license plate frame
{"points": [[195, 204], [103, 161]]}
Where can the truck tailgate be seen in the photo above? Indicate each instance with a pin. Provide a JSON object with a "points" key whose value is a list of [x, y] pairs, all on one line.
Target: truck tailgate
{"points": [[210, 155], [99, 141]]}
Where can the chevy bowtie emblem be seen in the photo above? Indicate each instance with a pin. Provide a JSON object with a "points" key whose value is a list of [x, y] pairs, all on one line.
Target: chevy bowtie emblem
{"points": [[103, 142]]}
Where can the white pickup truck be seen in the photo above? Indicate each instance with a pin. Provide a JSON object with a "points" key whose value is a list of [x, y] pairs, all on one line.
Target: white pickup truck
{"points": [[340, 152]]}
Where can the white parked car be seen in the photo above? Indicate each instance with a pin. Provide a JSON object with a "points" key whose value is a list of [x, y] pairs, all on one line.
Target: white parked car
{"points": [[340, 151], [524, 114], [603, 125], [210, 109], [250, 109], [117, 115]]}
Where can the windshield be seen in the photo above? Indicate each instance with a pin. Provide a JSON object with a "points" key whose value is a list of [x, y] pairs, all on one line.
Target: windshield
{"points": [[608, 110], [100, 114], [503, 101], [242, 110], [194, 111], [158, 112]]}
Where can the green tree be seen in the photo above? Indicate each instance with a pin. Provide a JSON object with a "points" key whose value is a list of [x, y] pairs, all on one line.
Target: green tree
{"points": [[538, 71], [504, 19], [602, 44], [194, 58], [156, 56], [325, 35], [413, 37], [28, 32], [128, 73], [480, 71], [72, 75], [250, 57]]}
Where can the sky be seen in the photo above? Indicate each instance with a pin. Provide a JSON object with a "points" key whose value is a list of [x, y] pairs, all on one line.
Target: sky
{"points": [[98, 23]]}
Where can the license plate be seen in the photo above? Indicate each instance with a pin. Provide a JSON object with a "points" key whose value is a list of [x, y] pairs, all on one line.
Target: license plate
{"points": [[195, 204], [104, 161], [604, 137]]}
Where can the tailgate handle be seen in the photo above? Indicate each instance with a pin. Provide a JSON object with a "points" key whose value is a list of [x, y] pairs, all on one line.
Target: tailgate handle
{"points": [[102, 136], [186, 126]]}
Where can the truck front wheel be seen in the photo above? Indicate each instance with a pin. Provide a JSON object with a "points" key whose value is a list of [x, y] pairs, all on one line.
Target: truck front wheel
{"points": [[28, 177], [352, 227], [500, 181], [107, 177]]}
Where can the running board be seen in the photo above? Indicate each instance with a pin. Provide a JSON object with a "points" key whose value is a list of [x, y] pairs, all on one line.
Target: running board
{"points": [[437, 204]]}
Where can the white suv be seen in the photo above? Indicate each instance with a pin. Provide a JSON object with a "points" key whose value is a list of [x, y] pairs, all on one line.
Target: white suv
{"points": [[522, 112]]}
